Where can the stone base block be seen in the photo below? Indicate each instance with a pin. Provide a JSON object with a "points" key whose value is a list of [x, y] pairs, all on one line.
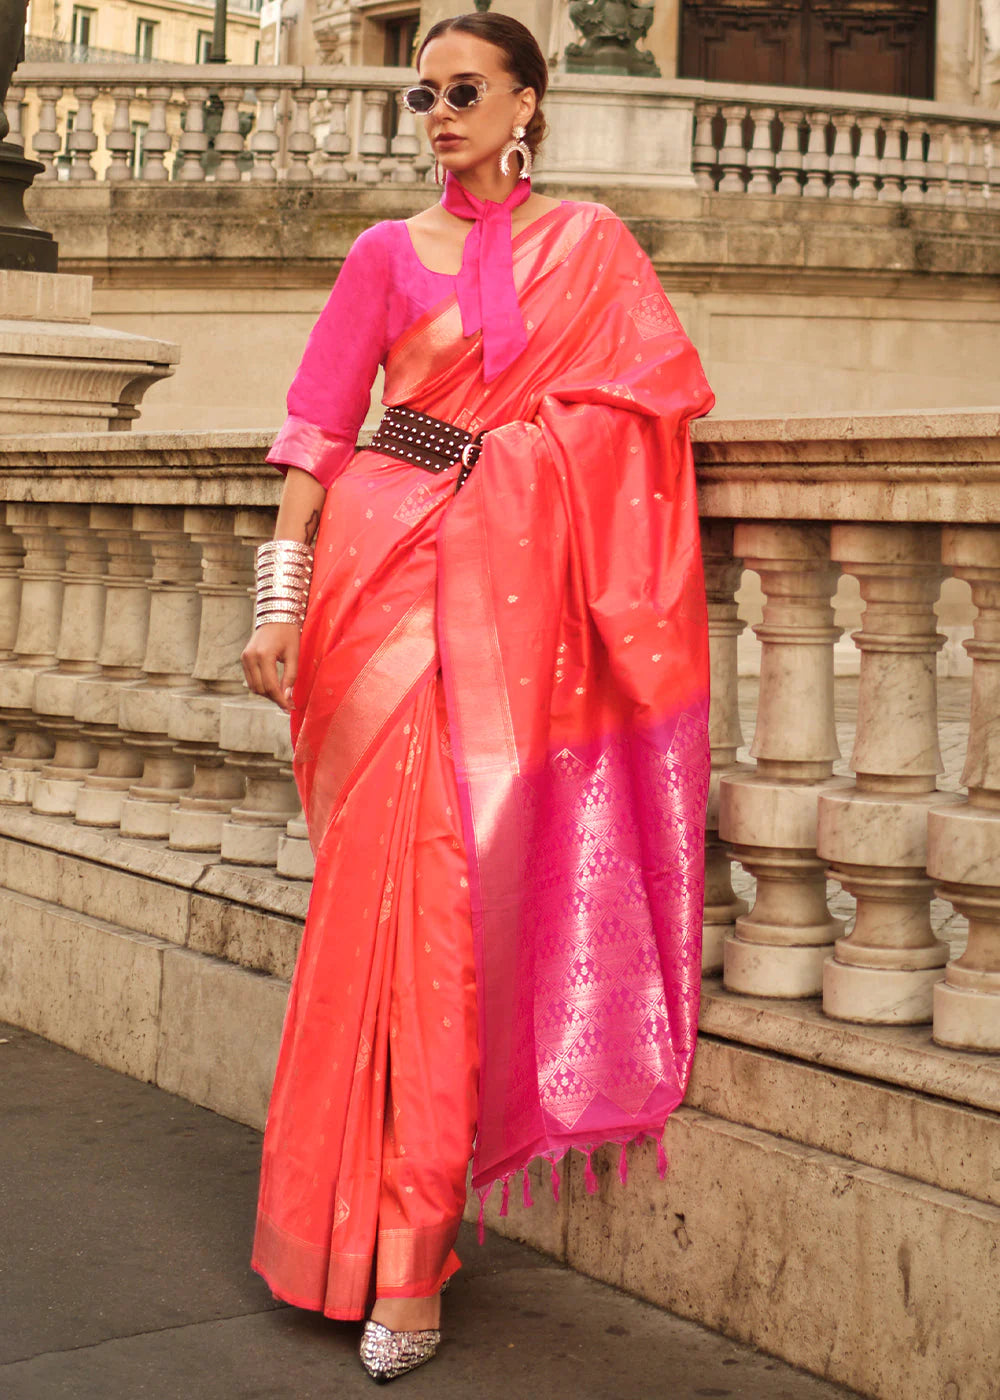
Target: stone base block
{"points": [[84, 984], [55, 797], [965, 1019], [243, 844], [192, 830], [768, 970], [100, 806], [145, 818], [219, 1033], [879, 996], [17, 784], [295, 858]]}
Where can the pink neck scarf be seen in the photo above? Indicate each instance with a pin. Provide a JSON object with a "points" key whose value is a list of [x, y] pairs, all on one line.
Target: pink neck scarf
{"points": [[487, 298]]}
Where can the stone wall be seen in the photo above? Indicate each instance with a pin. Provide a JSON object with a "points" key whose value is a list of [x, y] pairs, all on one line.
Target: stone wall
{"points": [[797, 306]]}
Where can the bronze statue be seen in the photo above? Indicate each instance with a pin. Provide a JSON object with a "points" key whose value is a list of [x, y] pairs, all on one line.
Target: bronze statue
{"points": [[611, 29]]}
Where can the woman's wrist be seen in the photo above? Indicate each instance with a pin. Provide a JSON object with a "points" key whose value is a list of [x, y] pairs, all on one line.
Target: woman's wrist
{"points": [[284, 572]]}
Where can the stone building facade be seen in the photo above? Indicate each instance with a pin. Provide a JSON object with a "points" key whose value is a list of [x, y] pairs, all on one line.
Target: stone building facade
{"points": [[949, 52]]}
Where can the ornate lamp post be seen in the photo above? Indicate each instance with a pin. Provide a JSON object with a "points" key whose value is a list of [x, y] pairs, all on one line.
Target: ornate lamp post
{"points": [[611, 29], [22, 245]]}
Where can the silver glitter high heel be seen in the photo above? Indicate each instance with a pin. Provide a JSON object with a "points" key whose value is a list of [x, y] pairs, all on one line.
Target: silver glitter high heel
{"points": [[386, 1354]]}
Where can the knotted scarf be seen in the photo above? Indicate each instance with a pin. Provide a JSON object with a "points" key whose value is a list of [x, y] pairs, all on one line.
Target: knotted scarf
{"points": [[485, 286]]}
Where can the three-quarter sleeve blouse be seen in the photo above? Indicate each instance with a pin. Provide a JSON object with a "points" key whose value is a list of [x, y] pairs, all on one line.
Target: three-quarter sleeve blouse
{"points": [[382, 288]]}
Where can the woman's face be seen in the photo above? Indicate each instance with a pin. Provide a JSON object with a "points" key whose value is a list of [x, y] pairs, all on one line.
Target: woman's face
{"points": [[464, 141]]}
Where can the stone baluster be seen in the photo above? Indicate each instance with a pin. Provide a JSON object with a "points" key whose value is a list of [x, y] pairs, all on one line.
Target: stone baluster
{"points": [[226, 620], [171, 649], [264, 142], [301, 141], [957, 167], [371, 146], [978, 174], [193, 141], [842, 157], [722, 578], [405, 147], [892, 161], [13, 108], [760, 157], [788, 161], [704, 157], [229, 142], [80, 631], [123, 647], [11, 563], [914, 164], [867, 165], [935, 170], [816, 161], [874, 835], [964, 839], [769, 817], [82, 140], [992, 147], [732, 155], [121, 139], [156, 142], [34, 650], [337, 142], [46, 142], [253, 731]]}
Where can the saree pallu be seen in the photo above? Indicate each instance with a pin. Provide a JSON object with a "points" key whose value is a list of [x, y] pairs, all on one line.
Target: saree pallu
{"points": [[544, 633]]}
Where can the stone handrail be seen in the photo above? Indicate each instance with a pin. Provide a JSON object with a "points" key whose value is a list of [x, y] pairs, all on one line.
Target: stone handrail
{"points": [[125, 574], [331, 124]]}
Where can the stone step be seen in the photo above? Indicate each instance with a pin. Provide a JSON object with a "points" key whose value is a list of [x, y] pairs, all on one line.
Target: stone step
{"points": [[862, 1274]]}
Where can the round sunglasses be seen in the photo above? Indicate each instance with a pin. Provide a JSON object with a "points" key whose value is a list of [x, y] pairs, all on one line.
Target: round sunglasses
{"points": [[460, 96]]}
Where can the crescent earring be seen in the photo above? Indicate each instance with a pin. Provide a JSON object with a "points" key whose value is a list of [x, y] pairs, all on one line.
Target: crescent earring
{"points": [[516, 146]]}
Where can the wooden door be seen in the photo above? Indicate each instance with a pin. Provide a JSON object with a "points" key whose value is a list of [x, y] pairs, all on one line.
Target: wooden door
{"points": [[870, 46]]}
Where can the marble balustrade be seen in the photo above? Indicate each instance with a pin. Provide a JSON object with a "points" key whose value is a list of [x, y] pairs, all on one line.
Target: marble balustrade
{"points": [[123, 122], [125, 578]]}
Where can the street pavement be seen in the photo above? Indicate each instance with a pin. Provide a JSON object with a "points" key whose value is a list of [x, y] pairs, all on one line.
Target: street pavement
{"points": [[126, 1217]]}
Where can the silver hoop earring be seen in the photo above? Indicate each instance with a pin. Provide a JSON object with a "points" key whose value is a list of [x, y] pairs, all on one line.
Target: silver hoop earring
{"points": [[516, 146]]}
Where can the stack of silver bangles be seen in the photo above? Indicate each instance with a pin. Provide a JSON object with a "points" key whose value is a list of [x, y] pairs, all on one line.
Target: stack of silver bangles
{"points": [[284, 568]]}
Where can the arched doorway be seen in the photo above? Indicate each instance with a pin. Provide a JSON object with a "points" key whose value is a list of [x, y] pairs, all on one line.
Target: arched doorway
{"points": [[871, 46]]}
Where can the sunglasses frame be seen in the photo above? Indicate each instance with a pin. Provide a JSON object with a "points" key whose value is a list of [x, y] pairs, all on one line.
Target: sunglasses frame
{"points": [[480, 84]]}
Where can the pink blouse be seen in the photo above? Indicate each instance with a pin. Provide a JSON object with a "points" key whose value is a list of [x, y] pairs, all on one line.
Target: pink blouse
{"points": [[382, 288]]}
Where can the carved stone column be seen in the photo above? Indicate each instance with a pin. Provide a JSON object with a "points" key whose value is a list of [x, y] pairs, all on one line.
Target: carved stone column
{"points": [[226, 619], [80, 631], [34, 647], [123, 647], [722, 578], [875, 834], [964, 840], [769, 817], [171, 648]]}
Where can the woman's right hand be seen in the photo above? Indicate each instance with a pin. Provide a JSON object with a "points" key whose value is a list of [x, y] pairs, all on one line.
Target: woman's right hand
{"points": [[273, 644]]}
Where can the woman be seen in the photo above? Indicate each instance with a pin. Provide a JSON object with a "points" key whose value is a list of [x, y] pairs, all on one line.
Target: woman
{"points": [[499, 704]]}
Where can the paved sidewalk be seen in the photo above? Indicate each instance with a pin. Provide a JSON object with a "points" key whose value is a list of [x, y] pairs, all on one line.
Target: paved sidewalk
{"points": [[125, 1224]]}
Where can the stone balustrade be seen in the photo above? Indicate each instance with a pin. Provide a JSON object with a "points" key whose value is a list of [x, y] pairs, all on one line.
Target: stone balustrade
{"points": [[125, 576], [805, 144], [344, 124]]}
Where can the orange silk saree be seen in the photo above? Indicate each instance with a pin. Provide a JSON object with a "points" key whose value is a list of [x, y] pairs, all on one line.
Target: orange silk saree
{"points": [[501, 743]]}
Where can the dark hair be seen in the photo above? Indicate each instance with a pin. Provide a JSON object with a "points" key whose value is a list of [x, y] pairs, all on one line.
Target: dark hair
{"points": [[523, 59]]}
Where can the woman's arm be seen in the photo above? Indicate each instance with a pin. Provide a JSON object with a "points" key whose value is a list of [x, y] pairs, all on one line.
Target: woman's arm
{"points": [[277, 643]]}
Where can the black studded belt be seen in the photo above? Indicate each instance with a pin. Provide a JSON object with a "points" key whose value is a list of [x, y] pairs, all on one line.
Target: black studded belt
{"points": [[427, 442]]}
